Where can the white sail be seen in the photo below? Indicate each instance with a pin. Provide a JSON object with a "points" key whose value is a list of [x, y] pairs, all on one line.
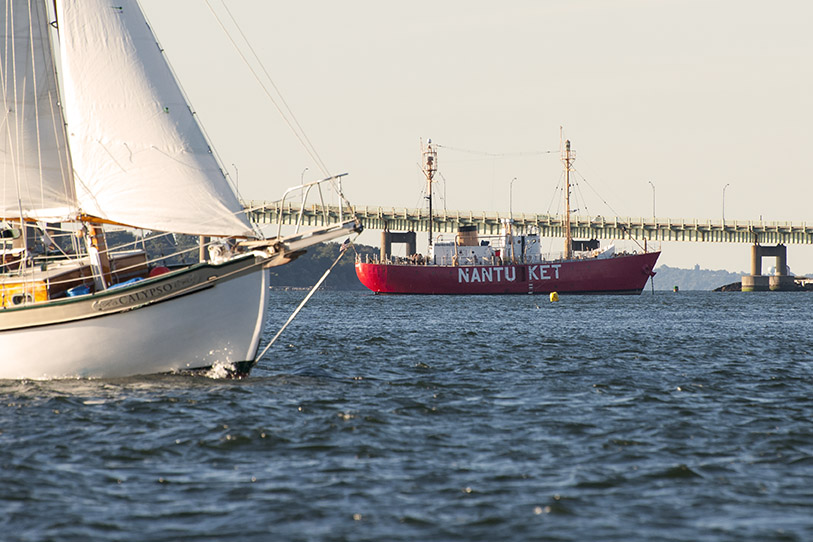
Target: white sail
{"points": [[139, 156], [36, 180]]}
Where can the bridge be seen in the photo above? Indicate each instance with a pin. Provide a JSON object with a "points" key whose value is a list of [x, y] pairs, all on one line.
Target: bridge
{"points": [[392, 219], [490, 222]]}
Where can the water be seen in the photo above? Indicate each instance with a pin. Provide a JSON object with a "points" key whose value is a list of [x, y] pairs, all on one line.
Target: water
{"points": [[668, 417]]}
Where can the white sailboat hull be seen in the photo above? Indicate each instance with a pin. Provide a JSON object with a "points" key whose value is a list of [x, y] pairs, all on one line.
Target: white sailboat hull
{"points": [[216, 321]]}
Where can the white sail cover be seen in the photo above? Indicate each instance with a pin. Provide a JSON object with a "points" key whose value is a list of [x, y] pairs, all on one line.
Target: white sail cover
{"points": [[36, 180], [139, 156]]}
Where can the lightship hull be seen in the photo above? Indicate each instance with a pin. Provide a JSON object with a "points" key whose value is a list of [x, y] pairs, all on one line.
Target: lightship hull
{"points": [[624, 274]]}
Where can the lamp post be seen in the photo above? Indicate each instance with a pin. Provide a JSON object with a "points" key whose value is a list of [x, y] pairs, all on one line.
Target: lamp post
{"points": [[726, 186], [511, 199], [301, 182], [653, 200], [302, 198]]}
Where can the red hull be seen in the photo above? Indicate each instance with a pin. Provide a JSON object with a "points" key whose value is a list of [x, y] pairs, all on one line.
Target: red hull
{"points": [[618, 275]]}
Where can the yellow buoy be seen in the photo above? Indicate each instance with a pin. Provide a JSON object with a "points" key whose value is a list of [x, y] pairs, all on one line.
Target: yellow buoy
{"points": [[554, 297]]}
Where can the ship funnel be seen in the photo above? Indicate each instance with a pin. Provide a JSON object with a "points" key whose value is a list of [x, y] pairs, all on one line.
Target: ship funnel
{"points": [[467, 236]]}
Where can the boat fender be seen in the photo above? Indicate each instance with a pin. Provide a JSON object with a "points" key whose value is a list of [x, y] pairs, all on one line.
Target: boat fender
{"points": [[160, 270], [554, 297], [78, 290], [125, 283]]}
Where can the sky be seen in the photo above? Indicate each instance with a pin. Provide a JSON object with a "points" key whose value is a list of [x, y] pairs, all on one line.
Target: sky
{"points": [[700, 108]]}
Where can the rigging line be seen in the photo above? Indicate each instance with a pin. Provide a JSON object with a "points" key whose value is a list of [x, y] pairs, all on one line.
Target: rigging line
{"points": [[422, 197], [270, 80], [45, 236], [59, 131], [300, 133], [496, 155], [581, 196], [5, 127], [604, 201], [35, 88], [444, 190], [185, 99], [67, 187], [58, 124], [16, 155], [300, 136], [634, 240], [299, 308], [555, 196], [42, 35]]}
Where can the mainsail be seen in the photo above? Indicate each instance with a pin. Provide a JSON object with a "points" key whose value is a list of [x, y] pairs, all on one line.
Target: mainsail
{"points": [[138, 154], [36, 180]]}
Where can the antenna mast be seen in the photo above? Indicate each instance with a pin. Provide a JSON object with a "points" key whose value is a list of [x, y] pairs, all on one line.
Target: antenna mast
{"points": [[567, 158], [430, 167]]}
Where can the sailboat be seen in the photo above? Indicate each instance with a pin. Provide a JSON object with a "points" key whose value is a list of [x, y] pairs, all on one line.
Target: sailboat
{"points": [[96, 133]]}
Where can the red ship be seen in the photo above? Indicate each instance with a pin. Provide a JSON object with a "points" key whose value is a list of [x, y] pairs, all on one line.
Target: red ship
{"points": [[507, 263]]}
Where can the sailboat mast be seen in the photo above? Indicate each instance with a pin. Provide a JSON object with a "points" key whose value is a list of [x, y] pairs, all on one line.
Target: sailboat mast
{"points": [[430, 167], [568, 158]]}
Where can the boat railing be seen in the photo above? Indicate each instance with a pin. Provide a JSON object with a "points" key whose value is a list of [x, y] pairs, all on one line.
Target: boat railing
{"points": [[419, 259], [305, 190]]}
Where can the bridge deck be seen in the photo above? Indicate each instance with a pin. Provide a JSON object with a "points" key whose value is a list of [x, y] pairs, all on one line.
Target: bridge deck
{"points": [[489, 223]]}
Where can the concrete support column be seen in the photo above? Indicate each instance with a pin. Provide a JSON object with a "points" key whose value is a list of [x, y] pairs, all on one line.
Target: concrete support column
{"points": [[756, 260], [780, 252], [779, 281], [388, 238], [781, 261], [386, 245], [755, 283]]}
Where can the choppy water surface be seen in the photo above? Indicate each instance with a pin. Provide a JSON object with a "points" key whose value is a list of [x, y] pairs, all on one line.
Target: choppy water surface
{"points": [[661, 417]]}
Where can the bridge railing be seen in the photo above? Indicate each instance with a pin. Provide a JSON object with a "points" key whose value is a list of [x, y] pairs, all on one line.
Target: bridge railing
{"points": [[490, 222]]}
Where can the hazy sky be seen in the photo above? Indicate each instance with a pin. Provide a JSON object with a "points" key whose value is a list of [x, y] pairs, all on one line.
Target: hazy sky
{"points": [[691, 95]]}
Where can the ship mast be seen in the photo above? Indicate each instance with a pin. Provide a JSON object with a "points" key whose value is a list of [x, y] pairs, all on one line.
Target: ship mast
{"points": [[567, 159], [430, 166]]}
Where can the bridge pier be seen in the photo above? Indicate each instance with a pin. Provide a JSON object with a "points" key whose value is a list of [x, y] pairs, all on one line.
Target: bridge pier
{"points": [[390, 237], [779, 281]]}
